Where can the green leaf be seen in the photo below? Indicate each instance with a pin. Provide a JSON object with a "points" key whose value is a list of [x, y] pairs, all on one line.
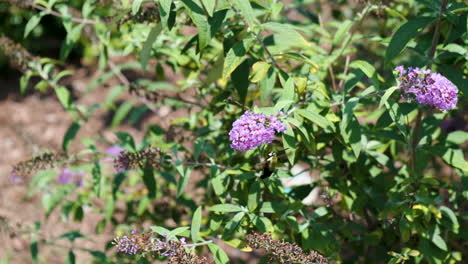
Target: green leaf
{"points": [[270, 208], [62, 74], [196, 224], [126, 140], [455, 48], [146, 50], [110, 205], [404, 34], [245, 10], [70, 135], [365, 67], [267, 84], [121, 113], [226, 208], [149, 181], [183, 180], [288, 91], [457, 137], [88, 7], [255, 191], [387, 95], [72, 235], [112, 96], [350, 128], [290, 144], [160, 230], [240, 80], [96, 173], [396, 116], [209, 6], [99, 255], [286, 35], [447, 212], [263, 224], [72, 37], [196, 13], [235, 56], [164, 11], [136, 6], [316, 119], [453, 157], [64, 97], [438, 240], [343, 29], [51, 200], [233, 224], [24, 81], [32, 23], [219, 255], [178, 231], [34, 249]]}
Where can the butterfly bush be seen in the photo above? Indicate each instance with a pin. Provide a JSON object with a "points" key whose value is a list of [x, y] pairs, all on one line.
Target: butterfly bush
{"points": [[428, 88], [252, 130]]}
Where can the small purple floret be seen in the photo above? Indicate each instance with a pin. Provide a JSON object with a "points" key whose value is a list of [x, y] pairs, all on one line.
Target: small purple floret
{"points": [[252, 130], [114, 151], [128, 245], [68, 176], [428, 88]]}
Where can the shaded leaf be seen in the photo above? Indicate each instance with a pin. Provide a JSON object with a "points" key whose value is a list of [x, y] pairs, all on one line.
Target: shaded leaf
{"points": [[32, 23], [150, 181], [254, 196], [146, 50], [316, 119], [235, 56], [404, 34], [70, 135], [196, 13], [245, 10], [240, 80], [226, 208]]}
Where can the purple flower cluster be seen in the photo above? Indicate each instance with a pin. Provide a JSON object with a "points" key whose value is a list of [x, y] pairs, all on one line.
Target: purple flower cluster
{"points": [[252, 130], [429, 88], [68, 176], [128, 244]]}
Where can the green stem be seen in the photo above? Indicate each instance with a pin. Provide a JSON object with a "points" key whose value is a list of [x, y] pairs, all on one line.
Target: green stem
{"points": [[436, 36], [417, 125], [415, 140]]}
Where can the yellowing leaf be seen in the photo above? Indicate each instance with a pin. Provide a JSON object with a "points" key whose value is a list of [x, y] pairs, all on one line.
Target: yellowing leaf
{"points": [[259, 71]]}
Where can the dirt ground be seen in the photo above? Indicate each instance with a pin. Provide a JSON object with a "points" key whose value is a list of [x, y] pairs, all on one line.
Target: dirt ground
{"points": [[33, 124]]}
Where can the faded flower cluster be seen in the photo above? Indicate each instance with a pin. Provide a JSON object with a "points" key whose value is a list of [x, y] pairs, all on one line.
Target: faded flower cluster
{"points": [[284, 252], [150, 157], [252, 130], [428, 88], [175, 251], [43, 161]]}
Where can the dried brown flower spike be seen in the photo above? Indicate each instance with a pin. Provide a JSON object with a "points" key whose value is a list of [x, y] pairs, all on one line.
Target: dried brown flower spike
{"points": [[43, 161], [151, 157], [284, 252]]}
